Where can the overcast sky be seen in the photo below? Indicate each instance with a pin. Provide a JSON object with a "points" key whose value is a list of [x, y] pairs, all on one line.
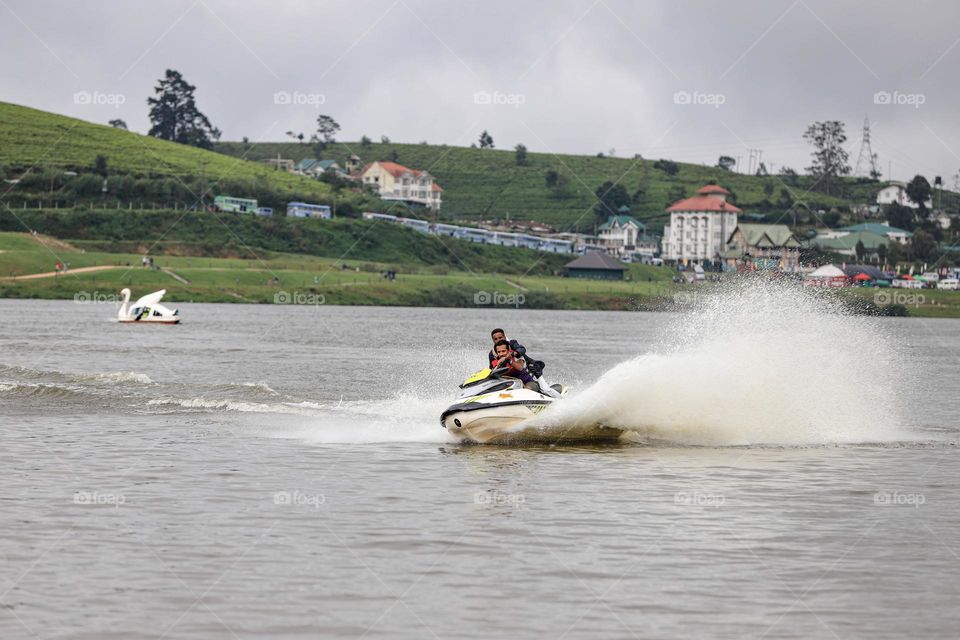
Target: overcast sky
{"points": [[687, 80]]}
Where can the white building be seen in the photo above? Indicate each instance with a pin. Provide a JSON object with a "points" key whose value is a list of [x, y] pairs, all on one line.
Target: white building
{"points": [[619, 234], [896, 193], [699, 226], [394, 181]]}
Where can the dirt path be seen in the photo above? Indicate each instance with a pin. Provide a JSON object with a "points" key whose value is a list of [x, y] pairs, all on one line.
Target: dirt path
{"points": [[53, 274], [514, 284]]}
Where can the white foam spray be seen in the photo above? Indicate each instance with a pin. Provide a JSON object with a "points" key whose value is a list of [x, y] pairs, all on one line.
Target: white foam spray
{"points": [[756, 363]]}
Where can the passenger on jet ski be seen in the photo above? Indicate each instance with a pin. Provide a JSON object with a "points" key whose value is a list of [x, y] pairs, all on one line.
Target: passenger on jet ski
{"points": [[533, 366], [516, 367]]}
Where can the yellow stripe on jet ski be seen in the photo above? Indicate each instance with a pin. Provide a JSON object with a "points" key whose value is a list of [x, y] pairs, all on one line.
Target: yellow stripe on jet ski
{"points": [[483, 374]]}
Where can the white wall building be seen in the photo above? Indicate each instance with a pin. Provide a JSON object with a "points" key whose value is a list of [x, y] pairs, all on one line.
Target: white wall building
{"points": [[896, 193], [699, 226], [394, 181]]}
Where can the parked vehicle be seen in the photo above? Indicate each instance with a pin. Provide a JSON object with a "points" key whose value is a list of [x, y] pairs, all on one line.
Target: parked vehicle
{"points": [[234, 205], [950, 284]]}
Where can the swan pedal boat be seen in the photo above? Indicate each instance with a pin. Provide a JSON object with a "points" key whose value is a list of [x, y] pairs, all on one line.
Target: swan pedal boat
{"points": [[147, 310], [492, 408]]}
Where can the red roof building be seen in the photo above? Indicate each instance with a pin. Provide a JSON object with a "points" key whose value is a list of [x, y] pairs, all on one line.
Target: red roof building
{"points": [[699, 226], [394, 181]]}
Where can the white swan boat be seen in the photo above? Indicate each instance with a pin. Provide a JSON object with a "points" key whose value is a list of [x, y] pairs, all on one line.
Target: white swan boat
{"points": [[147, 309]]}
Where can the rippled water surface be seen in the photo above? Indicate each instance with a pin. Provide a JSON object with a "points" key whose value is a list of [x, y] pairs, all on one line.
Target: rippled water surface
{"points": [[280, 472]]}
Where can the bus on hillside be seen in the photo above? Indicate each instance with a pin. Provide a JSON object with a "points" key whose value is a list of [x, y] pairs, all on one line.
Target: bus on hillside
{"points": [[304, 210], [234, 205]]}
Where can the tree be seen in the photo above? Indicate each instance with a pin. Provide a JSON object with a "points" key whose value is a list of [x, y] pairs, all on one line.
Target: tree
{"points": [[557, 184], [860, 250], [875, 168], [882, 252], [923, 247], [669, 167], [394, 156], [638, 196], [768, 188], [676, 193], [786, 200], [326, 133], [830, 159], [118, 124], [100, 165], [726, 163], [520, 155], [384, 140], [486, 140], [174, 114], [365, 141], [790, 176], [611, 197], [762, 170], [919, 191], [894, 253], [900, 216]]}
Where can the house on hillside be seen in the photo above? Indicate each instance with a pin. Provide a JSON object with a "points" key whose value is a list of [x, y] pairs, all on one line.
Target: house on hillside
{"points": [[896, 193], [699, 226], [313, 168], [626, 237], [597, 266], [762, 246], [392, 181], [618, 235], [881, 229], [282, 164], [846, 245], [354, 165]]}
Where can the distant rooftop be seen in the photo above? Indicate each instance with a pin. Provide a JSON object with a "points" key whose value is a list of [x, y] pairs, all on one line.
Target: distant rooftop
{"points": [[597, 260]]}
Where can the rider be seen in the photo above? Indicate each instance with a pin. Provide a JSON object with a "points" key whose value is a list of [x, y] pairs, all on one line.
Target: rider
{"points": [[530, 366], [506, 358]]}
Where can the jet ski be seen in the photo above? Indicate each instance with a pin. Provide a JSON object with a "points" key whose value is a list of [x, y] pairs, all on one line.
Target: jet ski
{"points": [[492, 408]]}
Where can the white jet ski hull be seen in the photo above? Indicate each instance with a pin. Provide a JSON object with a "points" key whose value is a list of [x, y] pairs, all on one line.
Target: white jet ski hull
{"points": [[504, 425], [496, 409]]}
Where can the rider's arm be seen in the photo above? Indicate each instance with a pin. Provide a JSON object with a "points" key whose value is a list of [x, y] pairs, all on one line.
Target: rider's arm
{"points": [[518, 348]]}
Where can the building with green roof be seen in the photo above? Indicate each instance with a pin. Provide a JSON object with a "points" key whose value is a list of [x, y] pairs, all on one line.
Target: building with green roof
{"points": [[847, 245], [623, 236], [894, 233], [762, 246]]}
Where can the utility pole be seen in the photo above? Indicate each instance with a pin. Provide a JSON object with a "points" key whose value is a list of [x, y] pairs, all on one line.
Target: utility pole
{"points": [[203, 184]]}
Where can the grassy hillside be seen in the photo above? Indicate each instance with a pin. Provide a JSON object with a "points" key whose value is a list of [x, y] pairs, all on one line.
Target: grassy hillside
{"points": [[245, 236], [38, 147], [488, 182]]}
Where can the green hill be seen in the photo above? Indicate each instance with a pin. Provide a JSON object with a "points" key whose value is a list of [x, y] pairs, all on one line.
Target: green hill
{"points": [[251, 237], [37, 147], [488, 182]]}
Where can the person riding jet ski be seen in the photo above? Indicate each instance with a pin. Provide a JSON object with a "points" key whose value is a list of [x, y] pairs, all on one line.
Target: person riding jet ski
{"points": [[534, 366], [513, 364]]}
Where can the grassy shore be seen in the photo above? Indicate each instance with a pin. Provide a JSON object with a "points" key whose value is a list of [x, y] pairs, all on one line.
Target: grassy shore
{"points": [[280, 278], [293, 278]]}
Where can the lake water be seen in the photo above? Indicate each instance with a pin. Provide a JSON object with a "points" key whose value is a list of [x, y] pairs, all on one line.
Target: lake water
{"points": [[280, 472]]}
